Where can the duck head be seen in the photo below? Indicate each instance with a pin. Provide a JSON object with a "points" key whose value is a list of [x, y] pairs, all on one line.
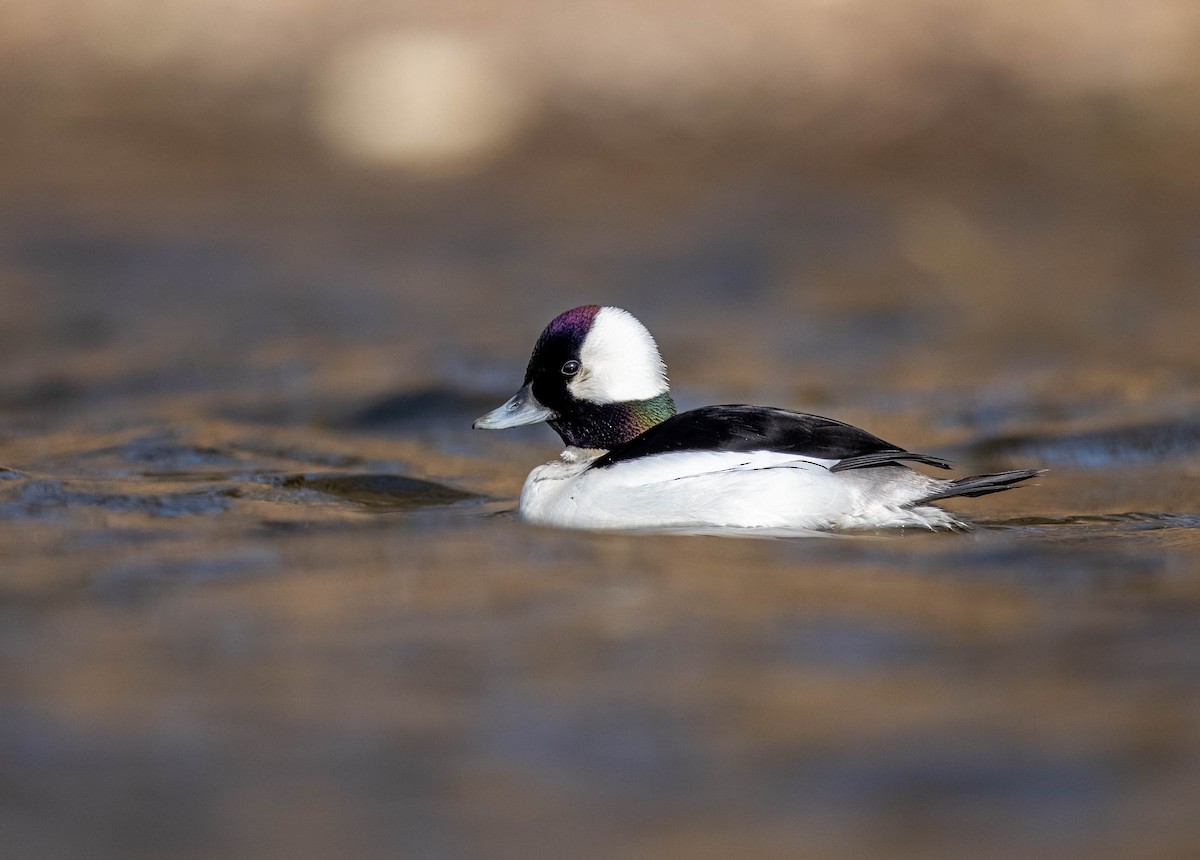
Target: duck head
{"points": [[595, 376]]}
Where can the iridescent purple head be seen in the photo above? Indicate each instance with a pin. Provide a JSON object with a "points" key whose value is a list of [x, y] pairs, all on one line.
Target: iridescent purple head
{"points": [[595, 375], [561, 341]]}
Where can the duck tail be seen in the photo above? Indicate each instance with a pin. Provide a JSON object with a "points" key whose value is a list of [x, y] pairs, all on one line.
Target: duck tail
{"points": [[980, 485]]}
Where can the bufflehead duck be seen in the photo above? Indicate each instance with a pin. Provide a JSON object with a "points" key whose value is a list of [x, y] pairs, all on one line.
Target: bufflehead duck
{"points": [[597, 378]]}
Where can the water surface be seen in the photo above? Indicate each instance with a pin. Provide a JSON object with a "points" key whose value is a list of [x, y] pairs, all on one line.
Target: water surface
{"points": [[265, 594]]}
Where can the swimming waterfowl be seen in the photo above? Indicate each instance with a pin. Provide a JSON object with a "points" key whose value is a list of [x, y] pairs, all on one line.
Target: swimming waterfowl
{"points": [[631, 462]]}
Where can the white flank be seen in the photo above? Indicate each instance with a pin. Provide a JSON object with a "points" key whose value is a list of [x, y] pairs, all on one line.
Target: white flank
{"points": [[619, 361], [696, 489], [724, 489]]}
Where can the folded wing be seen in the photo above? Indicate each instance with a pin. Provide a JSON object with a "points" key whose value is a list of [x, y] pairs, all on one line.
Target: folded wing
{"points": [[757, 428]]}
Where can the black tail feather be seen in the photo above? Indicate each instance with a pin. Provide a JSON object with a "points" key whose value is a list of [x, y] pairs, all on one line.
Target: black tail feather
{"points": [[981, 485]]}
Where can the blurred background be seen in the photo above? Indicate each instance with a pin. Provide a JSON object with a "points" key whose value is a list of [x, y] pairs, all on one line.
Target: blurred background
{"points": [[1018, 174], [264, 595]]}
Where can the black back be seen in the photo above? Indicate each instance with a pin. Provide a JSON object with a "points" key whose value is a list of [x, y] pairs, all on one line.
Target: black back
{"points": [[760, 428]]}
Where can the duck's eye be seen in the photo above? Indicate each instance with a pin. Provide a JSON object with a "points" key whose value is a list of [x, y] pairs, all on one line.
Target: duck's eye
{"points": [[570, 368]]}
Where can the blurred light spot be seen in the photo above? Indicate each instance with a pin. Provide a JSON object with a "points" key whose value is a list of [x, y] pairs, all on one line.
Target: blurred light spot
{"points": [[421, 101]]}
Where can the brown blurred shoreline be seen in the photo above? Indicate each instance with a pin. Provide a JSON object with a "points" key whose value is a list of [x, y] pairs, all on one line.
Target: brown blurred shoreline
{"points": [[103, 97]]}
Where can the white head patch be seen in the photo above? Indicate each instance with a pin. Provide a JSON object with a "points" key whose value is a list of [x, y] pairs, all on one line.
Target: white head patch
{"points": [[619, 361]]}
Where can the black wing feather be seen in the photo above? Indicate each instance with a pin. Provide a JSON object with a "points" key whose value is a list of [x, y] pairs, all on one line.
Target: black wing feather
{"points": [[760, 428], [885, 458]]}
